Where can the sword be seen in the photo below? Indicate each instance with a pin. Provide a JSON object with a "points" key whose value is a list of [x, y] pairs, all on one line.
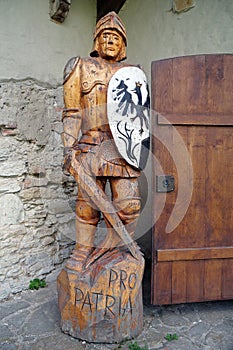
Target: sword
{"points": [[101, 200]]}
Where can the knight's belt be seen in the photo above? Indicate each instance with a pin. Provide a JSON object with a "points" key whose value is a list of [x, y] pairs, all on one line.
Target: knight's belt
{"points": [[93, 137]]}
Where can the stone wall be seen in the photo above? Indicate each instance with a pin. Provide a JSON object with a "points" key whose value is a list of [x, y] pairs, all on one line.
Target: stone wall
{"points": [[36, 199]]}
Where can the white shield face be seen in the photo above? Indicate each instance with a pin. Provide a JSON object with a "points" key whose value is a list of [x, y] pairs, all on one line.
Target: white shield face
{"points": [[128, 114]]}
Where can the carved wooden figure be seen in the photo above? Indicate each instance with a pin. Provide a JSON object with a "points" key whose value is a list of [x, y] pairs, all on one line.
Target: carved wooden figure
{"points": [[99, 290]]}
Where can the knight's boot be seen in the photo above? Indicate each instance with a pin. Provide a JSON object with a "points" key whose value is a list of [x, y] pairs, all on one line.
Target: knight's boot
{"points": [[128, 211], [85, 236], [112, 243], [104, 246]]}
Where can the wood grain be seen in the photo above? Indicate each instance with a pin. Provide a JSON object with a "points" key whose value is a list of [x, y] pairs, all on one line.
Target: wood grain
{"points": [[193, 96]]}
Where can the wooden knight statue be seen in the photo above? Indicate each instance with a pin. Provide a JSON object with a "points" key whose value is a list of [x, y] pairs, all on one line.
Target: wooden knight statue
{"points": [[106, 139]]}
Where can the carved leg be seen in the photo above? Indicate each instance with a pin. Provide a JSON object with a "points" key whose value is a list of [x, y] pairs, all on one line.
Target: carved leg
{"points": [[87, 217], [126, 199], [84, 245]]}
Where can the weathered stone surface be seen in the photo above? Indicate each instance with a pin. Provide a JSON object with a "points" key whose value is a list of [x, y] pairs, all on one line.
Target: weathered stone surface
{"points": [[47, 240], [66, 231], [34, 181], [33, 121], [30, 194], [30, 179], [103, 302], [8, 145], [9, 185], [58, 206], [11, 210], [8, 108], [12, 168], [5, 290]]}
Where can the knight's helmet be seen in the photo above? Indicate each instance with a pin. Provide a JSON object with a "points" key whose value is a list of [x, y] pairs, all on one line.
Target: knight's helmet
{"points": [[110, 21]]}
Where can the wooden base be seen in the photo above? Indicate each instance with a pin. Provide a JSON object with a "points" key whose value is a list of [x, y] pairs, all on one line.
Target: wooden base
{"points": [[103, 303]]}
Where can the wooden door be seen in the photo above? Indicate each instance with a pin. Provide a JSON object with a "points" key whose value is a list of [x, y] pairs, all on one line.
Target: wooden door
{"points": [[192, 99]]}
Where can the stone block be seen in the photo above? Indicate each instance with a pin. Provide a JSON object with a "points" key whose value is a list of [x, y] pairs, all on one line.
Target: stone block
{"points": [[36, 128], [34, 181], [9, 185], [12, 231], [47, 240], [66, 218], [13, 168], [29, 194], [9, 147], [11, 210], [44, 232], [66, 232], [55, 175], [57, 206], [5, 290]]}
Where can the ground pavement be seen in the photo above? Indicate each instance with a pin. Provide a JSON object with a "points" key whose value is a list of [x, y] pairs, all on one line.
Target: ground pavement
{"points": [[31, 321]]}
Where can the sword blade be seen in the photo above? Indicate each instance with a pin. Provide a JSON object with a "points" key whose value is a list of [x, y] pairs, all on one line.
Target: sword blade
{"points": [[101, 200]]}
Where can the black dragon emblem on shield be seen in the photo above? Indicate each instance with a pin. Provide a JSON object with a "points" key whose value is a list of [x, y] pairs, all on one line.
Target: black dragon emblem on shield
{"points": [[131, 105]]}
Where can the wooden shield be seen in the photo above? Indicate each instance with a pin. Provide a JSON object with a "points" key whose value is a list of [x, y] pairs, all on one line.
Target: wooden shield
{"points": [[128, 106]]}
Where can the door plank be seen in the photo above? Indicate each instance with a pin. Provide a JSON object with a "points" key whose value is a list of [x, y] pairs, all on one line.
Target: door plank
{"points": [[195, 220], [215, 84], [213, 280], [195, 280], [162, 284], [163, 78], [179, 282], [219, 199], [227, 279], [194, 254], [228, 84], [189, 85], [161, 166], [227, 193]]}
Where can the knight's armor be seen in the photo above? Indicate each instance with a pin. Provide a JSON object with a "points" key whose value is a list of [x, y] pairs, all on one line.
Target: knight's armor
{"points": [[85, 84]]}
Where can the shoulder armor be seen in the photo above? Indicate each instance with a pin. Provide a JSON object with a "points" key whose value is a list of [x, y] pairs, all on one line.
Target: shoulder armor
{"points": [[93, 73], [69, 67]]}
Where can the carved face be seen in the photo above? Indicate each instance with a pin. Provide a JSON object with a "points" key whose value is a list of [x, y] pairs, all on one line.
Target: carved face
{"points": [[110, 44]]}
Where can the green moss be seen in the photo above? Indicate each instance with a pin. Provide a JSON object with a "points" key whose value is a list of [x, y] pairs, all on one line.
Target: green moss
{"points": [[37, 283]]}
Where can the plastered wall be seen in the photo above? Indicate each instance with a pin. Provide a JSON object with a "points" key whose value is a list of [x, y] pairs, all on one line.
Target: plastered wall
{"points": [[34, 46], [155, 32]]}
